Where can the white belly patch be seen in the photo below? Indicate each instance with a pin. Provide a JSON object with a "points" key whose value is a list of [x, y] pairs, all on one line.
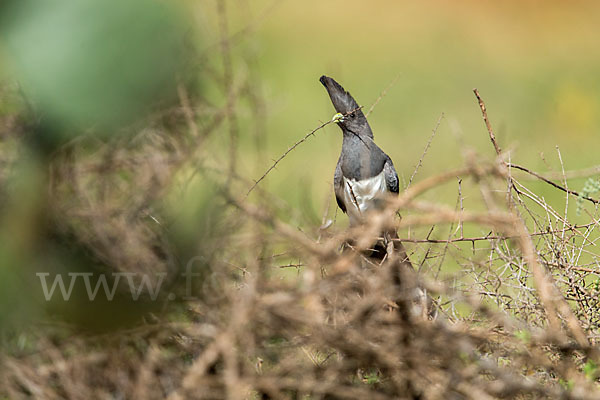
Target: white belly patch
{"points": [[361, 196]]}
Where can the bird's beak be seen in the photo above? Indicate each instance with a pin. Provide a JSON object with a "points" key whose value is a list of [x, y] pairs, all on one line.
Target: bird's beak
{"points": [[342, 100]]}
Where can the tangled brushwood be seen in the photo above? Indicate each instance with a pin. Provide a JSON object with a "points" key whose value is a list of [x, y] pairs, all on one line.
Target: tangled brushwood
{"points": [[518, 318], [279, 310]]}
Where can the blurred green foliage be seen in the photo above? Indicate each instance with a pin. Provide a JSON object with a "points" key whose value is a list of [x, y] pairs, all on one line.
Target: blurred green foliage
{"points": [[93, 63], [20, 216], [86, 67]]}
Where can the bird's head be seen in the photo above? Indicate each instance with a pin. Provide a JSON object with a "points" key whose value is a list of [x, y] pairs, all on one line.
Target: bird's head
{"points": [[352, 117]]}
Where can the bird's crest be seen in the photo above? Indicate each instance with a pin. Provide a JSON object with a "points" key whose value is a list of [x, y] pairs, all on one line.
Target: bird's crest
{"points": [[341, 99]]}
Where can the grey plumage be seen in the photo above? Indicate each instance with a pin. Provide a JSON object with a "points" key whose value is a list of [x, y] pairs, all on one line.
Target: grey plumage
{"points": [[360, 158], [391, 177], [363, 176], [343, 103]]}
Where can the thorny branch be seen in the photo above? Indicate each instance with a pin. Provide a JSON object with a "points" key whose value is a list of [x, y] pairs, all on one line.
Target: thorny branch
{"points": [[292, 147], [551, 298], [548, 181]]}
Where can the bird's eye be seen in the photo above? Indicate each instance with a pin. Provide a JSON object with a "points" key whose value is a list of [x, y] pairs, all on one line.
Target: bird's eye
{"points": [[352, 115]]}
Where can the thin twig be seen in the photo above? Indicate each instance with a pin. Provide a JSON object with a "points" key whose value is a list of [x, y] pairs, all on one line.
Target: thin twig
{"points": [[291, 148], [437, 125], [548, 181], [383, 93], [492, 237], [188, 112], [487, 122]]}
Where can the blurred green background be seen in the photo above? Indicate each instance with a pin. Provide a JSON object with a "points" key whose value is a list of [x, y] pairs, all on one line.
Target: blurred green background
{"points": [[535, 63]]}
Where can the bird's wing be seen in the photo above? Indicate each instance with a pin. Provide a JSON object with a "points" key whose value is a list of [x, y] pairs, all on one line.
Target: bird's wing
{"points": [[391, 177], [338, 186]]}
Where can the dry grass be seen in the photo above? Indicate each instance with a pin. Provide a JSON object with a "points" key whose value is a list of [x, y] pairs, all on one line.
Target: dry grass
{"points": [[518, 314]]}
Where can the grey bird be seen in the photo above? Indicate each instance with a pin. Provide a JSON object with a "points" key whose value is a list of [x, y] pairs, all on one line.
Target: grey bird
{"points": [[364, 176]]}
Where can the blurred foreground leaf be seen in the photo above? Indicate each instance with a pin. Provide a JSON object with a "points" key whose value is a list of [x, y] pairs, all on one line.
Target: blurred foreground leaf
{"points": [[91, 63]]}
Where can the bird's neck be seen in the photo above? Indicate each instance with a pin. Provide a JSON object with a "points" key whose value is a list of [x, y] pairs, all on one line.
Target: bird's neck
{"points": [[362, 131], [352, 139]]}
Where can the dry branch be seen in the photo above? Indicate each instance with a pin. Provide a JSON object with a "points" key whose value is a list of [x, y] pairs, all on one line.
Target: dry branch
{"points": [[292, 147]]}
